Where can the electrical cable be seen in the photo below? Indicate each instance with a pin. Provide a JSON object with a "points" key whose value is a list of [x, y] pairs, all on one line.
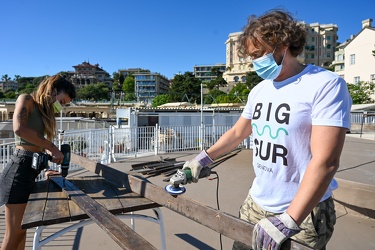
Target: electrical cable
{"points": [[217, 202]]}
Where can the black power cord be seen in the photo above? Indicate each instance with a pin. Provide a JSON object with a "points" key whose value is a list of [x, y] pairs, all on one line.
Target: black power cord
{"points": [[217, 202]]}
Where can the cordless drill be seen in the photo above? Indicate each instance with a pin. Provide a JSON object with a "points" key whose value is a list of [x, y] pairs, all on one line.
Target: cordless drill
{"points": [[40, 160], [65, 149]]}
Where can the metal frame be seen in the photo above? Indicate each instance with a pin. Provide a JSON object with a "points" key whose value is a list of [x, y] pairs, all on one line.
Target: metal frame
{"points": [[38, 242]]}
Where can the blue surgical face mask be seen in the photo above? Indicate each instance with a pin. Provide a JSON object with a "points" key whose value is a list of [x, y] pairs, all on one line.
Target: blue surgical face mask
{"points": [[266, 66]]}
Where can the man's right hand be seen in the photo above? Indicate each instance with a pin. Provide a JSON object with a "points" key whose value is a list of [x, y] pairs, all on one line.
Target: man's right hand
{"points": [[195, 165]]}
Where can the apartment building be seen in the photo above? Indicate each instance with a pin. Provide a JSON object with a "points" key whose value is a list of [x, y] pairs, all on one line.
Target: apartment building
{"points": [[319, 50], [148, 85], [8, 85], [132, 71], [203, 72], [355, 61], [320, 44]]}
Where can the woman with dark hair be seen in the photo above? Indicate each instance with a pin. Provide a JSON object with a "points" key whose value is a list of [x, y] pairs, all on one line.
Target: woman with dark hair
{"points": [[34, 127]]}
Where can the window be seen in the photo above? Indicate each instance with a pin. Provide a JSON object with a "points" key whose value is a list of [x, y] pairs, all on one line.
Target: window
{"points": [[328, 38], [236, 79], [352, 59], [312, 39], [328, 46], [312, 56], [243, 79], [356, 79], [372, 78]]}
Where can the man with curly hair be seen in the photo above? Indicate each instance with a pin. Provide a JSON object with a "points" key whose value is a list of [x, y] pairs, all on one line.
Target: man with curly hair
{"points": [[298, 116]]}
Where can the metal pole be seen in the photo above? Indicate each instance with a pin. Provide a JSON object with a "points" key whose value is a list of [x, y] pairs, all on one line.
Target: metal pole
{"points": [[201, 135]]}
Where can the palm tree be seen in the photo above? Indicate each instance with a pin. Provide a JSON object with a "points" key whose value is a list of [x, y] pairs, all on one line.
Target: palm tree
{"points": [[17, 77], [5, 78]]}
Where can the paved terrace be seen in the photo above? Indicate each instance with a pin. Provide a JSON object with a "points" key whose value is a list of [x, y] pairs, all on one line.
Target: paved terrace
{"points": [[355, 228]]}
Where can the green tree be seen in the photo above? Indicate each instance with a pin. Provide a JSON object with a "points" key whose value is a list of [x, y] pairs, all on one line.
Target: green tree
{"points": [[10, 94], [23, 81], [185, 86], [240, 92], [27, 89], [129, 97], [118, 79], [361, 92], [160, 100], [216, 71], [116, 87], [129, 84], [99, 91], [218, 81], [17, 77], [212, 96], [64, 73], [252, 79], [5, 78]]}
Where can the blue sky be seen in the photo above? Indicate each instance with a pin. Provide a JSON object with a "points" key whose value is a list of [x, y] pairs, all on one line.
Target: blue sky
{"points": [[44, 37]]}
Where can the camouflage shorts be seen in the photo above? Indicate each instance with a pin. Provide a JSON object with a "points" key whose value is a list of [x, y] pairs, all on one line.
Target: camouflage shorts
{"points": [[318, 224]]}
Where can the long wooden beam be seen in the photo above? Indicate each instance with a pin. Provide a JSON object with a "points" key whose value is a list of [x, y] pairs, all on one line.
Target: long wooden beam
{"points": [[221, 222], [123, 235]]}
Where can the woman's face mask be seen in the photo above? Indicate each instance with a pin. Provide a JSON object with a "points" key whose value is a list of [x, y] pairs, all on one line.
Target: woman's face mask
{"points": [[57, 106], [266, 66]]}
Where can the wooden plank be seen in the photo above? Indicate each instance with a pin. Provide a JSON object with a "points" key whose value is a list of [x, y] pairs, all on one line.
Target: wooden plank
{"points": [[33, 215], [57, 206], [99, 190], [131, 201], [221, 222], [123, 235]]}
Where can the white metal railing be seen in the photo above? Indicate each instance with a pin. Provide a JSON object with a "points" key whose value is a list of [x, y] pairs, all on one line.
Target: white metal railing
{"points": [[111, 144], [362, 117], [107, 145]]}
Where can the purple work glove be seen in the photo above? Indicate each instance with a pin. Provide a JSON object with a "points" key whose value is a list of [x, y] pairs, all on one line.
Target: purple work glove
{"points": [[273, 231], [200, 161]]}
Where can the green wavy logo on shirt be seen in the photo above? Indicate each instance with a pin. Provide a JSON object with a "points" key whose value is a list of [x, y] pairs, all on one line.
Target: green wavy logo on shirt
{"points": [[269, 129]]}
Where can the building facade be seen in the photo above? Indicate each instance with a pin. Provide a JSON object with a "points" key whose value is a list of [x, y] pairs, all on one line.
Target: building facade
{"points": [[203, 72], [8, 85], [132, 71], [149, 85], [236, 67], [320, 44], [86, 73], [359, 56], [319, 50]]}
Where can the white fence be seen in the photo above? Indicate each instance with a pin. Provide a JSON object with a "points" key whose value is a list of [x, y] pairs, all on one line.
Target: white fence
{"points": [[112, 144]]}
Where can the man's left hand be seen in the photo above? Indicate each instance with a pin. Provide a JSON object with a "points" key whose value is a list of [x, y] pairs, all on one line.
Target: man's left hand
{"points": [[271, 232]]}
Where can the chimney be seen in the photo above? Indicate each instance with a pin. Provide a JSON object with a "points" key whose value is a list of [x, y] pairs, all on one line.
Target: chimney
{"points": [[366, 23]]}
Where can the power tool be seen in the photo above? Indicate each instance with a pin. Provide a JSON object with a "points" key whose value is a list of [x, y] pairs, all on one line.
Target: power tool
{"points": [[65, 149], [182, 177], [40, 160]]}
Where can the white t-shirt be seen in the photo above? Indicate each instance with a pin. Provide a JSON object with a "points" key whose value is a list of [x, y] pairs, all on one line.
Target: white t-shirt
{"points": [[282, 115]]}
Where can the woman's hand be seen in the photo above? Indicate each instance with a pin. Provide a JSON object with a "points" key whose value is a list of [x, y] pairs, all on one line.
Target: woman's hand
{"points": [[57, 155], [48, 173]]}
